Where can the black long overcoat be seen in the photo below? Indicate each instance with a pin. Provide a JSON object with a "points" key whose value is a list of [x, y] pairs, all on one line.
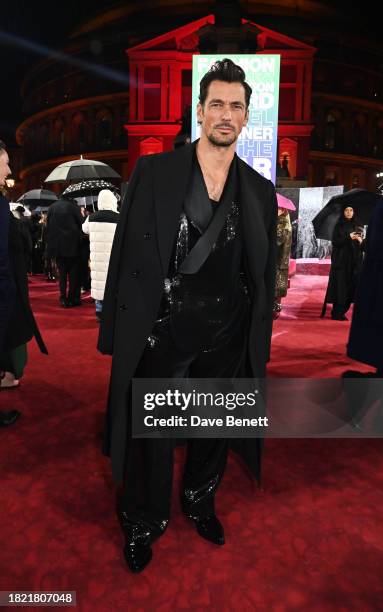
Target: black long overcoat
{"points": [[7, 288], [366, 333], [21, 324], [64, 234], [138, 266], [346, 261]]}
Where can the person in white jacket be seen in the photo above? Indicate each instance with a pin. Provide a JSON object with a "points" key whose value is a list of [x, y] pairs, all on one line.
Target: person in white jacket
{"points": [[101, 226]]}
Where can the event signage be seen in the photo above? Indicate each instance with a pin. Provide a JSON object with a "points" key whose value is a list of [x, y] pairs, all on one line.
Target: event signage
{"points": [[257, 144]]}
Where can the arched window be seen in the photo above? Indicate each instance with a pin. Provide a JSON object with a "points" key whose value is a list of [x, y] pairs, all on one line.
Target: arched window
{"points": [[330, 131], [377, 137], [104, 128], [359, 133], [43, 137], [80, 131], [59, 135], [356, 135]]}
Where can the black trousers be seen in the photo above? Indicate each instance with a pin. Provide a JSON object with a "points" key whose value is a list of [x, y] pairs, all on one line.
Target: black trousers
{"points": [[339, 310], [69, 270], [146, 494]]}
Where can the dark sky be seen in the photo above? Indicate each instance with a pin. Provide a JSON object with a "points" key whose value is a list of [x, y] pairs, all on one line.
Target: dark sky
{"points": [[44, 23]]}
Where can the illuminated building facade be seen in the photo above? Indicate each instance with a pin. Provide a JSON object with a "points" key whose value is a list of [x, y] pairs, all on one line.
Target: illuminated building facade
{"points": [[331, 96]]}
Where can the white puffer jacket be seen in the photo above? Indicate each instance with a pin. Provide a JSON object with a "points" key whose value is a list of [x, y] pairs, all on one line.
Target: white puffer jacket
{"points": [[101, 227]]}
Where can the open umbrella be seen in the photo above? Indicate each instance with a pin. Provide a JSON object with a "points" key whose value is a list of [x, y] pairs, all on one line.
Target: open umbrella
{"points": [[80, 169], [38, 197], [90, 187], [284, 202], [362, 201]]}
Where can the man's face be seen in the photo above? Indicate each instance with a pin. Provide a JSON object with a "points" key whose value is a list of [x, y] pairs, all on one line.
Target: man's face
{"points": [[224, 113], [4, 167]]}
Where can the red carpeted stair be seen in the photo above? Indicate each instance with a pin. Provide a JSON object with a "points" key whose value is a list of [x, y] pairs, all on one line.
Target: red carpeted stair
{"points": [[311, 540]]}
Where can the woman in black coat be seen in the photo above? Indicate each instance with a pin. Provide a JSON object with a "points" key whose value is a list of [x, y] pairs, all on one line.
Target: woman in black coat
{"points": [[346, 261], [21, 326], [366, 334]]}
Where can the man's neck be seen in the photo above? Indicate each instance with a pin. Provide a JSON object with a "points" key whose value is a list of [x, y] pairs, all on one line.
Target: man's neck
{"points": [[215, 159]]}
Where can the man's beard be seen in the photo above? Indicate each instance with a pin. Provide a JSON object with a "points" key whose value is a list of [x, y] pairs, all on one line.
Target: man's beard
{"points": [[221, 143]]}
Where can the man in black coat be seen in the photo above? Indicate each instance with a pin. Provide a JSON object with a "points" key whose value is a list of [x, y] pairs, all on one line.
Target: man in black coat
{"points": [[6, 284], [64, 240], [165, 317], [365, 343]]}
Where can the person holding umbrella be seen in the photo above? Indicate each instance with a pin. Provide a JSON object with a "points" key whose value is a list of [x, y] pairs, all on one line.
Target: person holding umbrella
{"points": [[346, 260]]}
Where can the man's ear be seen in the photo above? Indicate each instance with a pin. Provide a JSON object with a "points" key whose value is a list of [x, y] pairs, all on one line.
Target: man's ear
{"points": [[246, 119], [199, 113]]}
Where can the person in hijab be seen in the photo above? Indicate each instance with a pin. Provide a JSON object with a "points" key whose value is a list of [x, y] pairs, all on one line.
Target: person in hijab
{"points": [[346, 261]]}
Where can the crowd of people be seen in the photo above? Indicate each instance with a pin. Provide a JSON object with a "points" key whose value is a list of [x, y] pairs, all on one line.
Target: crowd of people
{"points": [[70, 244], [67, 244]]}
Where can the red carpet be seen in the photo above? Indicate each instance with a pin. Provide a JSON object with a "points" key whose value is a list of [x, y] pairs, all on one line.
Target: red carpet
{"points": [[311, 540]]}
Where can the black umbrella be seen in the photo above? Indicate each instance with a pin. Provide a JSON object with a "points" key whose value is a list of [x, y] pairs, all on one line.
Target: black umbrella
{"points": [[80, 169], [89, 188], [361, 200], [38, 197]]}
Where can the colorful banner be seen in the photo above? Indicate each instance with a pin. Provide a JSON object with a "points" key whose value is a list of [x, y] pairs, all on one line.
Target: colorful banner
{"points": [[257, 144]]}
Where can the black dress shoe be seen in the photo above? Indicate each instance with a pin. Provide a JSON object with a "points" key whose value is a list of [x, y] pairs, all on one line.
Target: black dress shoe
{"points": [[137, 556], [63, 302], [210, 529], [9, 418], [139, 536], [339, 318]]}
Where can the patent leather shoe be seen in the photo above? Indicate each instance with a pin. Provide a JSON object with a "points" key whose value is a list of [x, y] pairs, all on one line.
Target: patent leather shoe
{"points": [[209, 528], [137, 556], [139, 536]]}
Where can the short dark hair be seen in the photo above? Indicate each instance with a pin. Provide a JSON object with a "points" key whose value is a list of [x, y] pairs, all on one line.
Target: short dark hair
{"points": [[224, 70], [3, 146]]}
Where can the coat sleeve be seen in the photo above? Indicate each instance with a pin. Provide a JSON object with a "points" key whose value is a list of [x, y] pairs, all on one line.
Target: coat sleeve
{"points": [[5, 282], [106, 333], [79, 219], [271, 264]]}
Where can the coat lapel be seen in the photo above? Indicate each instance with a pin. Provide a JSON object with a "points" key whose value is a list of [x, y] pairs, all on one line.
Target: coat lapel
{"points": [[171, 180]]}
